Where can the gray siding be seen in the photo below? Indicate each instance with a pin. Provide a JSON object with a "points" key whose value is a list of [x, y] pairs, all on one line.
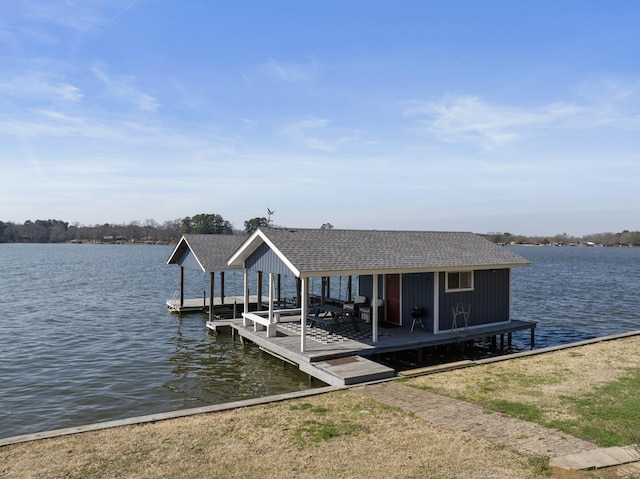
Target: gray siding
{"points": [[265, 260], [188, 260], [417, 290], [489, 300], [365, 286]]}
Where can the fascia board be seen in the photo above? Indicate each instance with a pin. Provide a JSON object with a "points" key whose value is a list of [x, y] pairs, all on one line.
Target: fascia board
{"points": [[179, 246], [195, 256], [175, 250], [364, 272], [282, 257], [245, 249]]}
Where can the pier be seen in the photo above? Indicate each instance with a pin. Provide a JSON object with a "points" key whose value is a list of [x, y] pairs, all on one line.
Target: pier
{"points": [[346, 356]]}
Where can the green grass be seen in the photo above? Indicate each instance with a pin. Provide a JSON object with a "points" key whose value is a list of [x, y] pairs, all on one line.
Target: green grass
{"points": [[609, 416]]}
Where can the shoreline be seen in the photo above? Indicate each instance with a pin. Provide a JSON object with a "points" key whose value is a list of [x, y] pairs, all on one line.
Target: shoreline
{"points": [[181, 413]]}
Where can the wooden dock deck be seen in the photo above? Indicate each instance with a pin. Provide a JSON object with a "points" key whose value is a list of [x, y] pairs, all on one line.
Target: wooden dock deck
{"points": [[341, 357], [226, 304]]}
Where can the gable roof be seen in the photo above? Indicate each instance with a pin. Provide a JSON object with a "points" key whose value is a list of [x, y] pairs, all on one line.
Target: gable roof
{"points": [[210, 251], [315, 252]]}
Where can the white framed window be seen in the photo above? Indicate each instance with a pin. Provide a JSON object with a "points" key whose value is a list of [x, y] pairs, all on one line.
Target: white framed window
{"points": [[459, 281]]}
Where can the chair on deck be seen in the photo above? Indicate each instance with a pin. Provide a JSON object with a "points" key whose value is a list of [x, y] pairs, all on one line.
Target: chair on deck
{"points": [[366, 311], [354, 308], [463, 310]]}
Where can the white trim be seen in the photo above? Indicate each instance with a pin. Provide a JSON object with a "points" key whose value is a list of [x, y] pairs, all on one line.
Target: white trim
{"points": [[175, 250], [374, 309], [246, 297], [418, 269], [458, 290], [436, 303], [303, 314], [251, 245]]}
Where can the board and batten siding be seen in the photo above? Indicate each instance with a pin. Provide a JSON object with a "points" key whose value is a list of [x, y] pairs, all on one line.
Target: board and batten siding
{"points": [[489, 299], [265, 260], [188, 260], [417, 290]]}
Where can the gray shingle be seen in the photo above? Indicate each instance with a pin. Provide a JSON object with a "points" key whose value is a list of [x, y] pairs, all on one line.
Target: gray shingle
{"points": [[312, 250], [213, 251]]}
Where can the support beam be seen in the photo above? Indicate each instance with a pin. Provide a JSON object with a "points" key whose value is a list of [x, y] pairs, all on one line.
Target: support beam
{"points": [[221, 287], [271, 329], [533, 337], [259, 293], [279, 289], [374, 310], [245, 322], [436, 302], [303, 313], [181, 286], [212, 276]]}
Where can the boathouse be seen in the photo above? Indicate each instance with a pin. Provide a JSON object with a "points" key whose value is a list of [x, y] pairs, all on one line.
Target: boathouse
{"points": [[414, 290], [208, 253], [445, 281]]}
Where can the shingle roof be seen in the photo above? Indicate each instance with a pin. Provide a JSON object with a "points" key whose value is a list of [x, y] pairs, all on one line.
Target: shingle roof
{"points": [[316, 250], [211, 251]]}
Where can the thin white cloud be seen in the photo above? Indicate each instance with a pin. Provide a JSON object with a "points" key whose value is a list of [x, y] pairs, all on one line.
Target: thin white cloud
{"points": [[80, 16], [122, 87], [35, 84], [320, 135], [290, 72], [613, 101], [306, 132], [470, 119]]}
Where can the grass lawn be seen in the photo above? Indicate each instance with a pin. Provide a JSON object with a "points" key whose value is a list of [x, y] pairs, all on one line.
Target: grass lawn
{"points": [[335, 435], [590, 392]]}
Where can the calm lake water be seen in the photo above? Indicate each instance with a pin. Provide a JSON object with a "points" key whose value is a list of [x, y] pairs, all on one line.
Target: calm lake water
{"points": [[86, 336]]}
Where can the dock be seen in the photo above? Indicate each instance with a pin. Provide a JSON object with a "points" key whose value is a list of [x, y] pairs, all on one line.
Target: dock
{"points": [[223, 306], [342, 357]]}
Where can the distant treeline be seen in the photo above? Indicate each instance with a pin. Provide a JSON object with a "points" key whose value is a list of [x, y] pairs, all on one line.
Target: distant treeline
{"points": [[147, 231], [169, 232], [624, 238]]}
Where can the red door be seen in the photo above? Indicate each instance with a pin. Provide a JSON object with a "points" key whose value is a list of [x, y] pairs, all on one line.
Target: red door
{"points": [[392, 299]]}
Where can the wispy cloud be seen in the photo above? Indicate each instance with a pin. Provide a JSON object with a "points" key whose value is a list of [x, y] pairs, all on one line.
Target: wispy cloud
{"points": [[471, 119], [35, 84], [306, 132], [123, 88], [290, 72]]}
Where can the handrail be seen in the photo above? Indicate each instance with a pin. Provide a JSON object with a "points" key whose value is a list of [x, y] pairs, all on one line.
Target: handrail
{"points": [[175, 300]]}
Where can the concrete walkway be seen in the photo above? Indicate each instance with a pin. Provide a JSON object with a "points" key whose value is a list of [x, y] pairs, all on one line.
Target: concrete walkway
{"points": [[521, 436]]}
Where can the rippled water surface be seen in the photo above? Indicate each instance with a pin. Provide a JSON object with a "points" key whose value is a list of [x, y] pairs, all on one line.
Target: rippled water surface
{"points": [[86, 336], [577, 293]]}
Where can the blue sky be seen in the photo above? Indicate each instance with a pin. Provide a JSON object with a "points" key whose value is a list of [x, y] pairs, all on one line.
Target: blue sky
{"points": [[486, 116]]}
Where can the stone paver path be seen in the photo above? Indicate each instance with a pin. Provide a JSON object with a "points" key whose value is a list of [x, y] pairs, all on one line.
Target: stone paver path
{"points": [[456, 414]]}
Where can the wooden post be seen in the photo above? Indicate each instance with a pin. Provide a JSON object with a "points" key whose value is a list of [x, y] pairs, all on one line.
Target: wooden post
{"points": [[212, 276], [181, 286], [279, 291], [221, 287], [350, 288], [245, 322], [374, 310], [271, 329], [533, 337], [509, 338], [303, 314]]}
